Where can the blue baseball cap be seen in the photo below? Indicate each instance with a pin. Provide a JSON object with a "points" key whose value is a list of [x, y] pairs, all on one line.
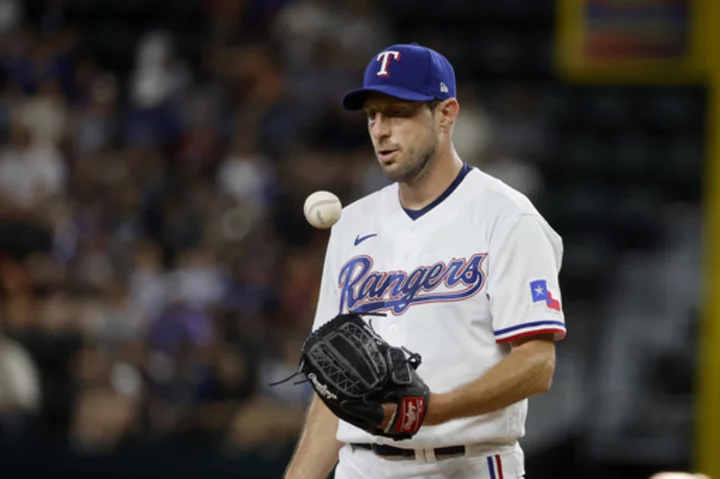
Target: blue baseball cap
{"points": [[406, 71]]}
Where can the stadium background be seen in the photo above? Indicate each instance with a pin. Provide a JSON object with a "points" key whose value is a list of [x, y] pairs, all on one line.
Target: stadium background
{"points": [[156, 272]]}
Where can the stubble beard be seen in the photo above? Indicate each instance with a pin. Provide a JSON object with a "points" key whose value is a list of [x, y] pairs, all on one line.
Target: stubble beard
{"points": [[414, 168]]}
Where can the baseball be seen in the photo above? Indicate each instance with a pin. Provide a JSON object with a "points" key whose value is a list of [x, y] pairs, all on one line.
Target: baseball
{"points": [[322, 209]]}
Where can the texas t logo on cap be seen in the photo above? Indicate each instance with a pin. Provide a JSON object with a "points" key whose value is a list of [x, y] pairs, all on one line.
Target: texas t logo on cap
{"points": [[384, 59]]}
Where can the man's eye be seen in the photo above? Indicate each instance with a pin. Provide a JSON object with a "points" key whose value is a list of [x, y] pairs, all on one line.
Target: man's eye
{"points": [[402, 112]]}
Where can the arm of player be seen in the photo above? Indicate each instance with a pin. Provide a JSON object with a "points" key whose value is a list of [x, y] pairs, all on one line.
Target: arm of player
{"points": [[528, 370], [317, 450]]}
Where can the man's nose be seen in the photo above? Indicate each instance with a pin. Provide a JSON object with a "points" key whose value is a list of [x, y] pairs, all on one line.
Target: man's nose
{"points": [[379, 126]]}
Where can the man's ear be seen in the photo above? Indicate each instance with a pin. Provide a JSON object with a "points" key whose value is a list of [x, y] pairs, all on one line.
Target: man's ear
{"points": [[448, 110]]}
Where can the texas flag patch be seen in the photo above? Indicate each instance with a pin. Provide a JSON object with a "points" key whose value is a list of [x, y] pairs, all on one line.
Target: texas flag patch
{"points": [[540, 292]]}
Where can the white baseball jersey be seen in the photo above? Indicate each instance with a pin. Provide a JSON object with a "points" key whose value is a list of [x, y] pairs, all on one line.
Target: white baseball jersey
{"points": [[458, 280]]}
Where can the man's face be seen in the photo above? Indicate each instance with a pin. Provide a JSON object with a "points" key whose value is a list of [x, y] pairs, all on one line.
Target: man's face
{"points": [[404, 135]]}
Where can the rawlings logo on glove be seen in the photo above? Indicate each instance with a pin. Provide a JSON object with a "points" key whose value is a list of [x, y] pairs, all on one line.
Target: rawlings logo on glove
{"points": [[411, 412], [320, 388], [355, 372]]}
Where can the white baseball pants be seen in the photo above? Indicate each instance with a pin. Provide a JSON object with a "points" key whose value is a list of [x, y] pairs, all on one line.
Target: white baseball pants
{"points": [[363, 464]]}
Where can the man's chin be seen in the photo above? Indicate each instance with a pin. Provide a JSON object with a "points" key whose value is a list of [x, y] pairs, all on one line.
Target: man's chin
{"points": [[391, 170], [396, 172]]}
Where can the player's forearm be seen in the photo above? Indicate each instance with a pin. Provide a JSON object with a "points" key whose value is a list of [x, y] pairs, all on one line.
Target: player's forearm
{"points": [[317, 450], [527, 371]]}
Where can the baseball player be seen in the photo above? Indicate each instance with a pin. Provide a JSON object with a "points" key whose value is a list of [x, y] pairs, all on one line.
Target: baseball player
{"points": [[466, 270]]}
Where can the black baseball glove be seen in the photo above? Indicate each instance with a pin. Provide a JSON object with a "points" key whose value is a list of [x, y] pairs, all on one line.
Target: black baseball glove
{"points": [[354, 372]]}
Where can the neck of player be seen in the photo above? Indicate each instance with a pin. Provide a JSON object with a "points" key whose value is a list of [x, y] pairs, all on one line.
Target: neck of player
{"points": [[440, 172]]}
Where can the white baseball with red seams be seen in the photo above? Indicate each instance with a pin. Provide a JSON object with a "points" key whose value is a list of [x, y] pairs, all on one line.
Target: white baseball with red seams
{"points": [[322, 209]]}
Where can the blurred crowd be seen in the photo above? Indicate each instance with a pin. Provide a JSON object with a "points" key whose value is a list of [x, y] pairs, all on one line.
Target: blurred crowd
{"points": [[156, 271]]}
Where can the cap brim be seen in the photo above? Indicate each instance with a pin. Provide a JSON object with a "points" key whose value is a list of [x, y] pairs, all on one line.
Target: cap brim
{"points": [[355, 99]]}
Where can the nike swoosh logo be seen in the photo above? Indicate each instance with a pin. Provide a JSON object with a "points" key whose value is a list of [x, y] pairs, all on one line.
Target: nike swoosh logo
{"points": [[360, 239]]}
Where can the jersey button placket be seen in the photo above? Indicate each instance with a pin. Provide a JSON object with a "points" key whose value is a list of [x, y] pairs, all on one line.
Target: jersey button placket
{"points": [[406, 253], [409, 247]]}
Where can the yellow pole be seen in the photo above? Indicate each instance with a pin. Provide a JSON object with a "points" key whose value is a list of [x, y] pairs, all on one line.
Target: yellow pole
{"points": [[708, 417]]}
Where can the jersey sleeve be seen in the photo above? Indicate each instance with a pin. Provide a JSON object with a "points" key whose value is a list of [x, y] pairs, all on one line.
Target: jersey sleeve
{"points": [[522, 285], [328, 297]]}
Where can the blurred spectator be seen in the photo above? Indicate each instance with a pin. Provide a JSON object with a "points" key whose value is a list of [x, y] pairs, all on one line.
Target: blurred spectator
{"points": [[179, 363], [159, 76], [246, 175], [106, 410], [148, 282], [31, 173], [10, 15], [156, 89], [199, 280], [45, 115], [114, 320], [300, 27], [473, 132], [20, 395], [94, 122]]}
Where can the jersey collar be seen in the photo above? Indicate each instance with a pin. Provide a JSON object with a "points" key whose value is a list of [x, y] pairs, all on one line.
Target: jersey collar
{"points": [[415, 214]]}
